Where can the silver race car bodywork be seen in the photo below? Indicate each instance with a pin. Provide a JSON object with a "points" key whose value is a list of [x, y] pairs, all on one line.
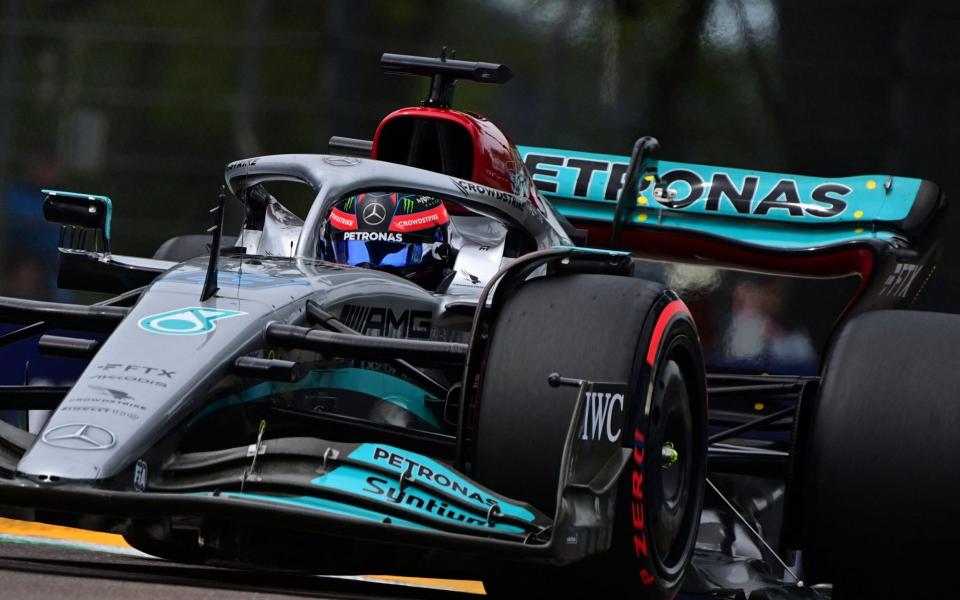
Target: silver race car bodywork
{"points": [[138, 438], [247, 400], [170, 350]]}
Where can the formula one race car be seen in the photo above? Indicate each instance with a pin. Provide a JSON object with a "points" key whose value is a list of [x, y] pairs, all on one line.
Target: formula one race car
{"points": [[477, 359]]}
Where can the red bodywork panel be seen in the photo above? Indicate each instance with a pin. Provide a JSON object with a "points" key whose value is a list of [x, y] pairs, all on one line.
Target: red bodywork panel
{"points": [[858, 260], [672, 245], [496, 162]]}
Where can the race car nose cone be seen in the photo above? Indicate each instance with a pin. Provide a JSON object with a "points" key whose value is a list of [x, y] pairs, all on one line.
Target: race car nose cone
{"points": [[63, 469]]}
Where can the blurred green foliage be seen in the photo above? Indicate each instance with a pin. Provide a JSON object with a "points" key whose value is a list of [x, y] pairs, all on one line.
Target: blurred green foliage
{"points": [[147, 101], [180, 88]]}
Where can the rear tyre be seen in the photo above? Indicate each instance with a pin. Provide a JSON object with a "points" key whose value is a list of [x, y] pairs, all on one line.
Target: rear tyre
{"points": [[599, 328], [879, 455]]}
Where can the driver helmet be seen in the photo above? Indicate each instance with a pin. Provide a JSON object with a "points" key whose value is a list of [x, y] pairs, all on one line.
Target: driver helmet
{"points": [[398, 232]]}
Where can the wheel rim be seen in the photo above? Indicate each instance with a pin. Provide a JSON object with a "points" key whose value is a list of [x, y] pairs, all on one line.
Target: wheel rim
{"points": [[675, 472]]}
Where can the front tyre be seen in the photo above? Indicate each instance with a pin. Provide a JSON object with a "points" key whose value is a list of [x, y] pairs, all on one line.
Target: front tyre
{"points": [[600, 328]]}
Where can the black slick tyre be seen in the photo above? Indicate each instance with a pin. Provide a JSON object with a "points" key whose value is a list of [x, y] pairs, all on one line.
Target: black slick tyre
{"points": [[878, 461], [599, 328]]}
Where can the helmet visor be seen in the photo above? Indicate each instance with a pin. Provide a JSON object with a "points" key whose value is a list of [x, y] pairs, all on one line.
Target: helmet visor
{"points": [[387, 229], [378, 254]]}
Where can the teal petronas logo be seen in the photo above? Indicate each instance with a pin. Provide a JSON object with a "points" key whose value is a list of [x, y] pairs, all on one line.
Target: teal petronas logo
{"points": [[186, 321]]}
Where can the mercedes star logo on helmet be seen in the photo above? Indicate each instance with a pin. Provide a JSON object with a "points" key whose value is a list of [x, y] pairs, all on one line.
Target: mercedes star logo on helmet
{"points": [[374, 214], [79, 436]]}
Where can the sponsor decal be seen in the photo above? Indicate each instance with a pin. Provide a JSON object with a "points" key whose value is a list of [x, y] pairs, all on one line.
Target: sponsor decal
{"points": [[374, 214], [469, 187], [412, 203], [898, 283], [416, 220], [422, 472], [152, 371], [140, 475], [116, 394], [193, 320], [76, 405], [79, 436], [379, 486], [420, 220], [341, 161], [372, 236], [386, 322], [428, 473], [110, 401], [602, 416], [719, 192], [152, 376], [241, 164], [342, 220], [131, 379], [638, 521], [546, 174]]}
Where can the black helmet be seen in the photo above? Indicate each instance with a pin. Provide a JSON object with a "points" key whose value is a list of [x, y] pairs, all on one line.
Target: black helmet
{"points": [[397, 232]]}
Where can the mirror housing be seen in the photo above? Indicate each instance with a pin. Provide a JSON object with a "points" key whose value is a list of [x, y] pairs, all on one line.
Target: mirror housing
{"points": [[83, 212]]}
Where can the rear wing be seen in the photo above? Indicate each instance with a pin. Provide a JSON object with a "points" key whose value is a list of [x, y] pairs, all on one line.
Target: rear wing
{"points": [[884, 228], [769, 210]]}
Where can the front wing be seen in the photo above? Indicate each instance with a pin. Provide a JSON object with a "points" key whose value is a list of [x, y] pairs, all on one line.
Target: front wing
{"points": [[364, 498]]}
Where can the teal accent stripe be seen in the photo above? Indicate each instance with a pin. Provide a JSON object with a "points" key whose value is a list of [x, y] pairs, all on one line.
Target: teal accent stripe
{"points": [[378, 488], [864, 207], [327, 506], [374, 383], [775, 235], [429, 472]]}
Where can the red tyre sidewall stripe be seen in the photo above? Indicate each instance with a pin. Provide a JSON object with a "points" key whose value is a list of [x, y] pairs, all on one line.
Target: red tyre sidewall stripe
{"points": [[663, 322], [641, 539]]}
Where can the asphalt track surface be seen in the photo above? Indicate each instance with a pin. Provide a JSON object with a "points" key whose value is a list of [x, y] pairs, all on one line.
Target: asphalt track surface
{"points": [[38, 561]]}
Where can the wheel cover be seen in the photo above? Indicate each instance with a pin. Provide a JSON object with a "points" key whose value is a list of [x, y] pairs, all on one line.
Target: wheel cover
{"points": [[674, 472]]}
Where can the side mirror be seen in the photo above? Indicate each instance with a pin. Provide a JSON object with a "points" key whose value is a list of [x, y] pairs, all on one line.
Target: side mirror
{"points": [[78, 213]]}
